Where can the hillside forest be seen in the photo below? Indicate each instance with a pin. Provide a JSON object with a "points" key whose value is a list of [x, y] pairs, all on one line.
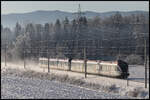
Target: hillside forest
{"points": [[119, 31]]}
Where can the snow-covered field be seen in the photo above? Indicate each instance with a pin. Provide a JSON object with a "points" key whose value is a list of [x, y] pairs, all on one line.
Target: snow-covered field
{"points": [[106, 86], [14, 87], [137, 73]]}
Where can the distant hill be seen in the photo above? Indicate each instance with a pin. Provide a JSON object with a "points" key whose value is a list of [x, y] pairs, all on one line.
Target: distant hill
{"points": [[9, 20]]}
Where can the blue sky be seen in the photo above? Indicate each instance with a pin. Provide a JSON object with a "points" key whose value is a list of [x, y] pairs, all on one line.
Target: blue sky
{"points": [[72, 6]]}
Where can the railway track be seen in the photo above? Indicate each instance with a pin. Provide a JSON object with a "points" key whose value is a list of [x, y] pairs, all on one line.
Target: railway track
{"points": [[129, 79]]}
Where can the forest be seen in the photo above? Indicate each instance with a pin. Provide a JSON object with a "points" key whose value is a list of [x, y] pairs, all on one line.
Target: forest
{"points": [[124, 33]]}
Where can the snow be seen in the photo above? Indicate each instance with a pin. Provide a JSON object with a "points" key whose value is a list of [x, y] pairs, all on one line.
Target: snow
{"points": [[105, 84], [138, 73], [14, 87]]}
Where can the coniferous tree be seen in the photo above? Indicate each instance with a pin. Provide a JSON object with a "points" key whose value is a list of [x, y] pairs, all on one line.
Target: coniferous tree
{"points": [[66, 29], [18, 30], [46, 33], [57, 30]]}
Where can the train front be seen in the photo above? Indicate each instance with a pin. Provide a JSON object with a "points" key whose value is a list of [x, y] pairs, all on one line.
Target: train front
{"points": [[124, 69]]}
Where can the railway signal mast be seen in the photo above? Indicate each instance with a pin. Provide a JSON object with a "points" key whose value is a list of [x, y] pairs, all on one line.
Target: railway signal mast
{"points": [[79, 15], [79, 12]]}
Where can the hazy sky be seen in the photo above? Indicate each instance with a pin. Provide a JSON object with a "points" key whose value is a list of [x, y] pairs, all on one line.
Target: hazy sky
{"points": [[72, 6]]}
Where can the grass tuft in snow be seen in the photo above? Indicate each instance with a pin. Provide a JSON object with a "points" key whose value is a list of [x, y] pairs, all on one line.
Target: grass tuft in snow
{"points": [[137, 92]]}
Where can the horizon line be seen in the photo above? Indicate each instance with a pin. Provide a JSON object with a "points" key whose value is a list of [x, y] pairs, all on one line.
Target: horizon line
{"points": [[76, 12]]}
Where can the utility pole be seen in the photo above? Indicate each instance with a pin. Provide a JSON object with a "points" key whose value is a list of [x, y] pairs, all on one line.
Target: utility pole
{"points": [[5, 54], [48, 59], [85, 60], [5, 49], [145, 63], [48, 62], [145, 58], [24, 54]]}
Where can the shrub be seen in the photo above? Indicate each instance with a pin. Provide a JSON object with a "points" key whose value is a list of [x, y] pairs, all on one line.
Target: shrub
{"points": [[138, 92], [134, 59], [112, 88]]}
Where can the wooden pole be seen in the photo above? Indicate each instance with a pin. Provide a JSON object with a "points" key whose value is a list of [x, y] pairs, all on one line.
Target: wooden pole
{"points": [[24, 59], [48, 62], [145, 64], [24, 55], [5, 54], [5, 50], [48, 56], [85, 62]]}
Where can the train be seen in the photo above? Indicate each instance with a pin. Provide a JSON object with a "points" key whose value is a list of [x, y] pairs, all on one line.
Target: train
{"points": [[116, 69]]}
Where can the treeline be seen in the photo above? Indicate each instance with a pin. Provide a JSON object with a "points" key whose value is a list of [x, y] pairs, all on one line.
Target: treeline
{"points": [[115, 28]]}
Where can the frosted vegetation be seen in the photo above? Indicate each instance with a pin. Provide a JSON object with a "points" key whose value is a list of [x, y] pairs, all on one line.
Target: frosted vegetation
{"points": [[113, 27]]}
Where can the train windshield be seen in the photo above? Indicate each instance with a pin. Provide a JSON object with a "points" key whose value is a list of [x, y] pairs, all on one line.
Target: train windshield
{"points": [[123, 65]]}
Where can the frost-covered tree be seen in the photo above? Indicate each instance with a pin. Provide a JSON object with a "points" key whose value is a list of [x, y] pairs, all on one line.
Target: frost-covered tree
{"points": [[18, 30]]}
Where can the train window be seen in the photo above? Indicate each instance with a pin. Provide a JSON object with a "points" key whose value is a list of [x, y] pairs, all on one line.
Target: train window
{"points": [[103, 67], [60, 64], [66, 63], [63, 63], [108, 68], [55, 63], [117, 68], [113, 68], [52, 62], [100, 67]]}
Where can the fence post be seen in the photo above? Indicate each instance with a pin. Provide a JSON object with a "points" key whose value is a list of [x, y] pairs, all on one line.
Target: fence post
{"points": [[24, 59], [48, 61], [85, 62], [145, 64], [5, 54], [24, 52]]}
